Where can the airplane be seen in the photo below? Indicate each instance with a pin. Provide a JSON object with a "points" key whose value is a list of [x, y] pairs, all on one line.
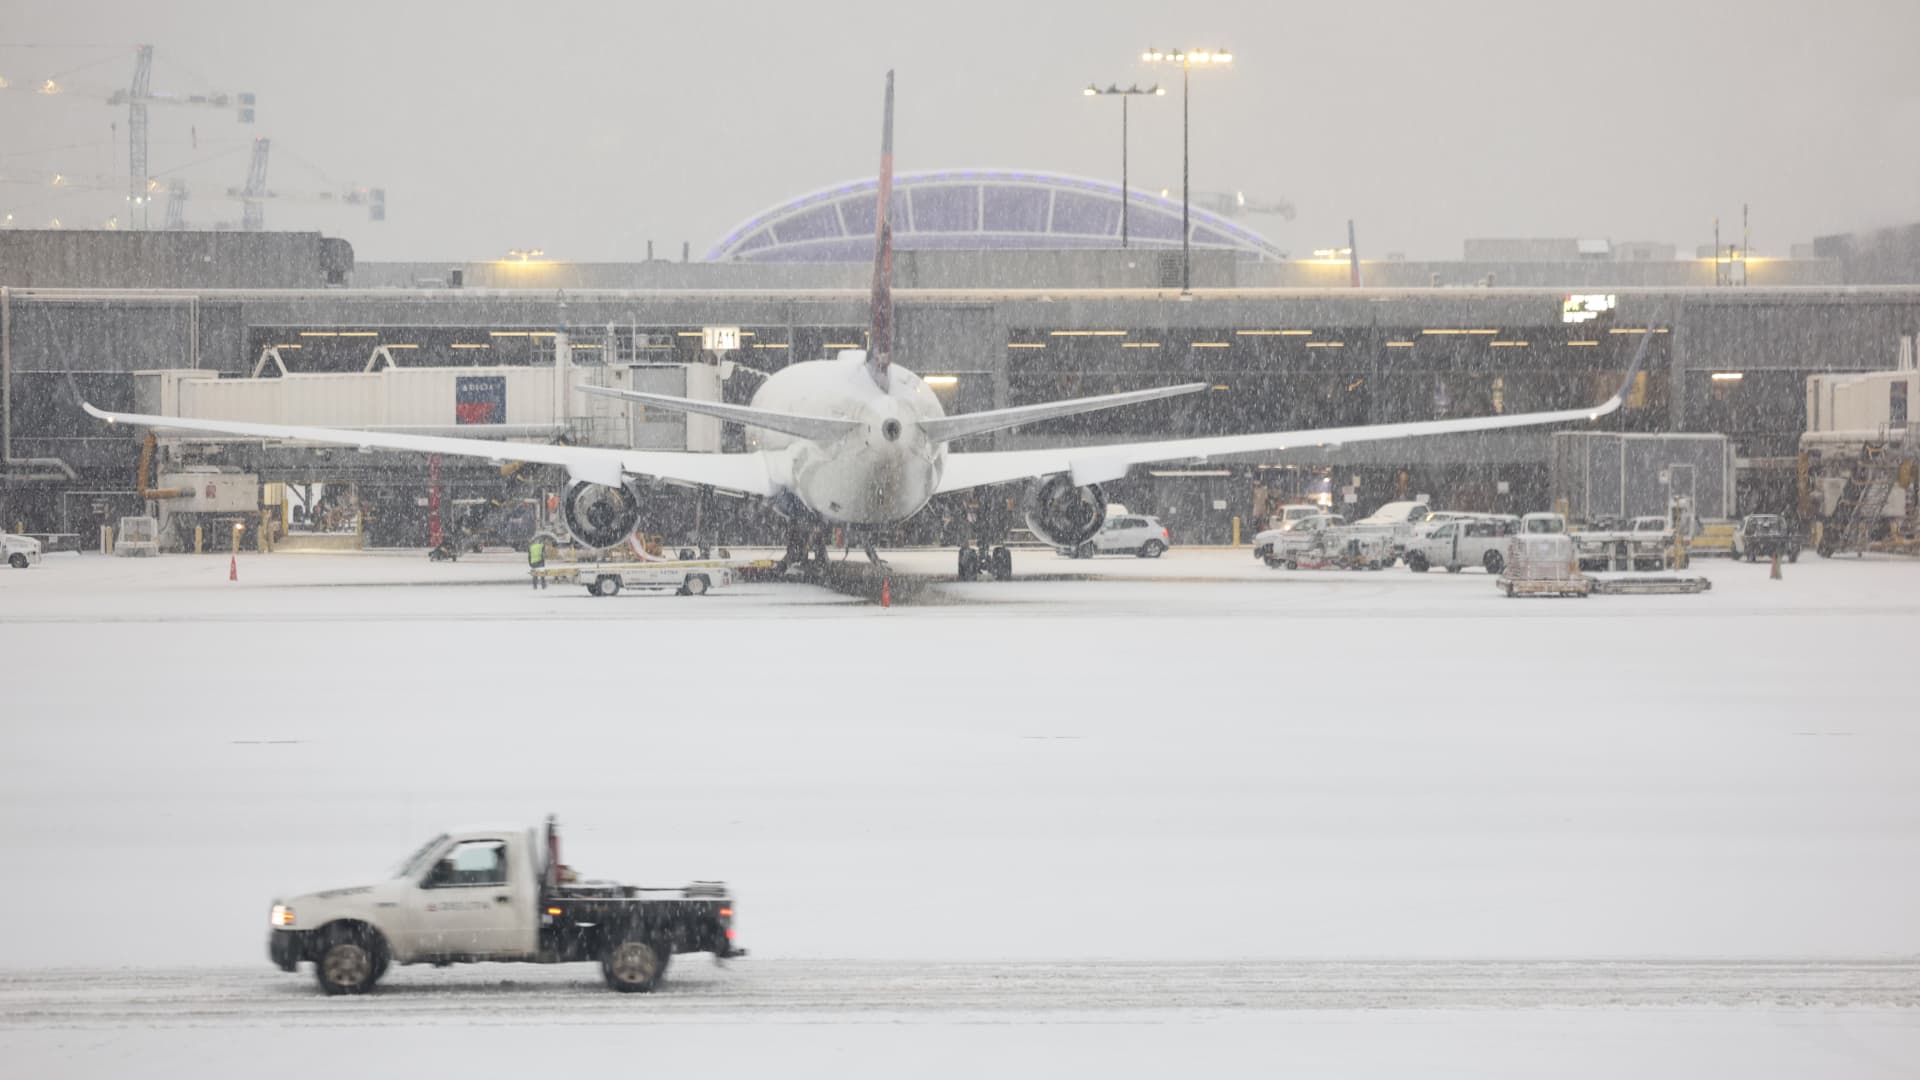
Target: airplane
{"points": [[860, 442]]}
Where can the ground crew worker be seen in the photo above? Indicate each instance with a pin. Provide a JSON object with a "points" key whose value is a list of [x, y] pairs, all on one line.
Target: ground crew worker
{"points": [[537, 561]]}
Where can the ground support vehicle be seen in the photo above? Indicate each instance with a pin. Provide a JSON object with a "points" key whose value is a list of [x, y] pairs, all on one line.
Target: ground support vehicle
{"points": [[1394, 522], [1335, 549], [1298, 538], [681, 577], [498, 896], [1455, 545], [1543, 564], [1623, 549], [1764, 536], [19, 552]]}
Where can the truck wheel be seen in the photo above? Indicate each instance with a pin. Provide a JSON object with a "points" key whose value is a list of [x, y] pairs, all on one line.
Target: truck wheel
{"points": [[1416, 562], [1293, 564], [1494, 562], [17, 561], [605, 586], [694, 586], [633, 966], [350, 960]]}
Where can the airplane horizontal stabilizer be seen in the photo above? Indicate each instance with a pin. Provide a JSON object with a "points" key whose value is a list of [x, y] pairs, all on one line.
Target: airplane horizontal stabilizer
{"points": [[818, 428], [979, 423]]}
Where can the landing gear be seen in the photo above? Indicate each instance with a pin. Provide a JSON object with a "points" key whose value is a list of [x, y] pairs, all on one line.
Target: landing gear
{"points": [[806, 554], [998, 562]]}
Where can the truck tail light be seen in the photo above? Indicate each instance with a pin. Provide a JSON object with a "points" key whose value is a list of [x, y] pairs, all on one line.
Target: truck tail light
{"points": [[553, 911], [726, 913]]}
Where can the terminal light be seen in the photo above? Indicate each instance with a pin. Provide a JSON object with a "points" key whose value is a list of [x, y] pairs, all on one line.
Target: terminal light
{"points": [[1273, 333], [1728, 376], [359, 333], [393, 345], [940, 380], [1577, 344], [1026, 344], [318, 333], [471, 345], [1213, 344], [1507, 344], [771, 345], [1326, 344], [840, 345], [1139, 344], [1399, 344]]}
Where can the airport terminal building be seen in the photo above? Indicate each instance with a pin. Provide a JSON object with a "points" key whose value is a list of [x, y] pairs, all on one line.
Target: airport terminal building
{"points": [[1011, 289]]}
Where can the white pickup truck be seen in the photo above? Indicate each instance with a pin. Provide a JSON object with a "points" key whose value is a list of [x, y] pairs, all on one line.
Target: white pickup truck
{"points": [[497, 895], [1455, 545]]}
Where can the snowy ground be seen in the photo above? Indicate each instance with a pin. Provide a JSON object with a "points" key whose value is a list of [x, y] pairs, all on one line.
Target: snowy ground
{"points": [[1118, 816]]}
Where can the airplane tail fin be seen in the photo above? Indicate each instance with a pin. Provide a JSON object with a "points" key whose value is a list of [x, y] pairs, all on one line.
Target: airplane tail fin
{"points": [[880, 327]]}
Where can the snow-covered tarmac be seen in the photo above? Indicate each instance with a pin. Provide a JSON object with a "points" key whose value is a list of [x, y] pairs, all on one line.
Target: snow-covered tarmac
{"points": [[1131, 815]]}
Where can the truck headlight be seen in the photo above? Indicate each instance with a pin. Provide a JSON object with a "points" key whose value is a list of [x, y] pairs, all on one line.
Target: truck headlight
{"points": [[282, 915]]}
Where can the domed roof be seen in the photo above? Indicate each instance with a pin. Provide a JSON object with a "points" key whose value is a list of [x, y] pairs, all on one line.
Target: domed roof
{"points": [[975, 210]]}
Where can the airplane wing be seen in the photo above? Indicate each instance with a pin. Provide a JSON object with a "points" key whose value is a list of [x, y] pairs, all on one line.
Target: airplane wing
{"points": [[745, 473], [1100, 464]]}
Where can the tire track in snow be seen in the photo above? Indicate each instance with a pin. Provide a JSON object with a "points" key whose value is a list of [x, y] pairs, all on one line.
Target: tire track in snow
{"points": [[840, 990]]}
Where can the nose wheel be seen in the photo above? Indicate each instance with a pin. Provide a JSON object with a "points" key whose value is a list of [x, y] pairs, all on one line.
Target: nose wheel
{"points": [[997, 562]]}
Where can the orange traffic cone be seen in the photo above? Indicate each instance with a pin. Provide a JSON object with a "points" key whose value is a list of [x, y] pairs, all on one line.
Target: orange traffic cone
{"points": [[886, 592], [233, 568]]}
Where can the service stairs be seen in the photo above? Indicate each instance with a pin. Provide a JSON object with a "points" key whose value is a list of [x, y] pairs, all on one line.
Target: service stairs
{"points": [[1883, 471]]}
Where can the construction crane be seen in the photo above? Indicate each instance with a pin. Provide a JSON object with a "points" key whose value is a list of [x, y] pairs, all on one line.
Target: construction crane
{"points": [[255, 192], [137, 97]]}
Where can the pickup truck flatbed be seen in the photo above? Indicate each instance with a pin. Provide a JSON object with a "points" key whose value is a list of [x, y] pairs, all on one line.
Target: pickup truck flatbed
{"points": [[498, 895]]}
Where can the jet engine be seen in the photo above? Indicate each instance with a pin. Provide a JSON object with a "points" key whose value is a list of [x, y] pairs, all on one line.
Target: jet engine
{"points": [[599, 516], [1064, 515]]}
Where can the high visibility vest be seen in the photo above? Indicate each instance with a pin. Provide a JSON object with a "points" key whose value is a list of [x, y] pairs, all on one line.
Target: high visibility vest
{"points": [[536, 552]]}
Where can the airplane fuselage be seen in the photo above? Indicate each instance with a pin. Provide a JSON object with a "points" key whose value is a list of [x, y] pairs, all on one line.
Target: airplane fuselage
{"points": [[880, 474]]}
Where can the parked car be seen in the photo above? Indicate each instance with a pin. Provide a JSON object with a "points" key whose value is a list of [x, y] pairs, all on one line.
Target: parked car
{"points": [[1456, 545], [1654, 524], [1125, 534], [20, 552], [1762, 536]]}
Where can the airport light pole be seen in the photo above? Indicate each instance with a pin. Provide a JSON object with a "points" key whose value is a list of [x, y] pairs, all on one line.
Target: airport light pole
{"points": [[1188, 59], [1113, 90]]}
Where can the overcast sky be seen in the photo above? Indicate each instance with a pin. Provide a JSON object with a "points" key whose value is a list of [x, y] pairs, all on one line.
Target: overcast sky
{"points": [[587, 128]]}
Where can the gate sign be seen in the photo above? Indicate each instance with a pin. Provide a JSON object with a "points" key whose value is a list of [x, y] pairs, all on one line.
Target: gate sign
{"points": [[1578, 308], [480, 399], [720, 338]]}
